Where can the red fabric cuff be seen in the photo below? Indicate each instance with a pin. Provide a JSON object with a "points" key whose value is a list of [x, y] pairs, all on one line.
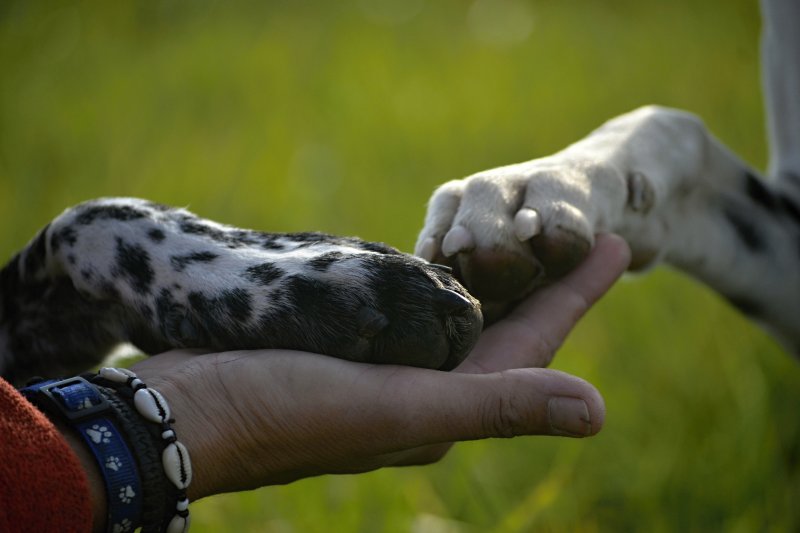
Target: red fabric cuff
{"points": [[43, 486]]}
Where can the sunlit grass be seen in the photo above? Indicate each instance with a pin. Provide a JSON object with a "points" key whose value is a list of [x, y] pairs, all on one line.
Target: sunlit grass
{"points": [[339, 117]]}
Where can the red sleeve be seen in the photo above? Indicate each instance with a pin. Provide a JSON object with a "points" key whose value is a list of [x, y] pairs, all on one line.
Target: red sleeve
{"points": [[43, 486]]}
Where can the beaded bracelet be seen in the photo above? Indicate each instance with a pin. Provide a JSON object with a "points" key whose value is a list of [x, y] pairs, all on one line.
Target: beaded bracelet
{"points": [[144, 446], [152, 406]]}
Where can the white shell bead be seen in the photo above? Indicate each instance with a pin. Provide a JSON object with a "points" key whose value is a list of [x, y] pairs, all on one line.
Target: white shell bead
{"points": [[177, 465], [178, 524], [168, 434], [151, 405], [182, 505], [117, 375]]}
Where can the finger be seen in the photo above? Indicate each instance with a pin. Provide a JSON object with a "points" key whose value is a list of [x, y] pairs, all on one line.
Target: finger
{"points": [[420, 407], [531, 334], [383, 409]]}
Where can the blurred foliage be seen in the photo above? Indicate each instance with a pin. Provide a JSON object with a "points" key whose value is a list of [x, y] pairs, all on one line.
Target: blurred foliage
{"points": [[342, 116]]}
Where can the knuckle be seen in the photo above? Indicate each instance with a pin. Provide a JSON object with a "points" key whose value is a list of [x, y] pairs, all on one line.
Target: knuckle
{"points": [[576, 302], [505, 412], [450, 189], [543, 349], [480, 184]]}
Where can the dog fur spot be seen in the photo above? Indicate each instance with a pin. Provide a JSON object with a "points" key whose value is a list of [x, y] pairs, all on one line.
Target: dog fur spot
{"points": [[263, 274], [180, 262], [156, 235], [66, 234], [747, 232], [323, 262], [758, 192], [790, 208], [133, 262], [109, 212]]}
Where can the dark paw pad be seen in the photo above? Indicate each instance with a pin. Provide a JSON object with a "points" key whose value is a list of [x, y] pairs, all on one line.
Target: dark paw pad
{"points": [[497, 275], [559, 251]]}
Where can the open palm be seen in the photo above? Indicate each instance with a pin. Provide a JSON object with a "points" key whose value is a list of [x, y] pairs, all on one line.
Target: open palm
{"points": [[265, 417]]}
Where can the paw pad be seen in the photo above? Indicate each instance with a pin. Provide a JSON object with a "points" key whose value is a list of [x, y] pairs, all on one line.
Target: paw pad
{"points": [[126, 494], [99, 434], [123, 527], [113, 463]]}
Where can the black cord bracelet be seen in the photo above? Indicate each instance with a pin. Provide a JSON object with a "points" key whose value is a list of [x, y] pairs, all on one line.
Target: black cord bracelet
{"points": [[177, 468], [146, 449]]}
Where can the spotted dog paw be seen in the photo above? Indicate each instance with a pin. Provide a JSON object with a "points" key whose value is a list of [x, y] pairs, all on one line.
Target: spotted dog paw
{"points": [[127, 270], [375, 307], [507, 231]]}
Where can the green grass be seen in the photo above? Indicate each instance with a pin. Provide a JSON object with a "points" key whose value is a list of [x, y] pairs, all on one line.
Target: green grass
{"points": [[342, 116]]}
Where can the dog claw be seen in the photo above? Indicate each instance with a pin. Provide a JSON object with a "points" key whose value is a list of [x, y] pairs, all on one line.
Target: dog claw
{"points": [[458, 239], [527, 223], [450, 302], [443, 268], [427, 249]]}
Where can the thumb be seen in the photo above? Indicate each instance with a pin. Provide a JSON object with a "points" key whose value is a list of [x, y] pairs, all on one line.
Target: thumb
{"points": [[439, 407]]}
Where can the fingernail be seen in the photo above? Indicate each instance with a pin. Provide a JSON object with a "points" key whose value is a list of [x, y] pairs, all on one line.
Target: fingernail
{"points": [[569, 416]]}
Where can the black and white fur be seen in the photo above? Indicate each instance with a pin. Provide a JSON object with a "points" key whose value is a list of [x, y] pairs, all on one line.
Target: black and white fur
{"points": [[657, 177], [126, 270]]}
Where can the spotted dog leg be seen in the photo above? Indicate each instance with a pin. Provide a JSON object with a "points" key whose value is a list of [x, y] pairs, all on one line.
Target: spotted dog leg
{"points": [[656, 177], [114, 270]]}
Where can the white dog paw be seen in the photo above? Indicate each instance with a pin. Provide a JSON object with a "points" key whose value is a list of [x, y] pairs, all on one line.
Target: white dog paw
{"points": [[509, 230]]}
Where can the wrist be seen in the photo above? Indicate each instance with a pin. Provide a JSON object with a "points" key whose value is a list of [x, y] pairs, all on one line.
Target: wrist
{"points": [[164, 462], [77, 405], [194, 423], [93, 477], [127, 450]]}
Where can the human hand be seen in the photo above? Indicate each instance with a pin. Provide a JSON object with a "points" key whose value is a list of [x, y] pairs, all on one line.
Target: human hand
{"points": [[266, 417]]}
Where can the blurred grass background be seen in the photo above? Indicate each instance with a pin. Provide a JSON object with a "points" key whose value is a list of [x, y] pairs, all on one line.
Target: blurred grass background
{"points": [[342, 116]]}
